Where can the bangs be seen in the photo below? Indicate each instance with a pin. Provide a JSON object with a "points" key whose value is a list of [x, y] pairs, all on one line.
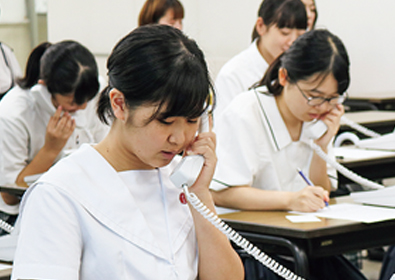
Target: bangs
{"points": [[186, 92], [178, 11], [288, 17], [87, 87]]}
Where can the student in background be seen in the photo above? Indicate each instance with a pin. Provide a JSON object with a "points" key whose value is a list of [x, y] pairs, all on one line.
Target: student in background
{"points": [[48, 112], [264, 137], [312, 14], [110, 211], [279, 23], [168, 12], [9, 68]]}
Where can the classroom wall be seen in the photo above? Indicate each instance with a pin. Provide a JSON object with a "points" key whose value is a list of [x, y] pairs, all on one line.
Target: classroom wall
{"points": [[222, 28]]}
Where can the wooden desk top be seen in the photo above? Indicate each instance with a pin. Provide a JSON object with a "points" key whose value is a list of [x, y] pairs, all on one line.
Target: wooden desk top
{"points": [[369, 117], [375, 97], [275, 223]]}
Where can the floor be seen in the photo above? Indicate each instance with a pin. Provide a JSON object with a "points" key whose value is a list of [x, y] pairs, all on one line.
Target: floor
{"points": [[371, 269]]}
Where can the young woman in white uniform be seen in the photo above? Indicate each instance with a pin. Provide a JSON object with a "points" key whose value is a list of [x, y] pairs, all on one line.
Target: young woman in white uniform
{"points": [[263, 137], [110, 211], [264, 134], [48, 112], [279, 23]]}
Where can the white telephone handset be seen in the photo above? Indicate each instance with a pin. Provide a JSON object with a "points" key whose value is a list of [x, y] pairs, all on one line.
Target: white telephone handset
{"points": [[316, 129], [185, 174]]}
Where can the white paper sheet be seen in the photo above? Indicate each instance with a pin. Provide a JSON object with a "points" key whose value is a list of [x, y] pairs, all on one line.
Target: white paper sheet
{"points": [[302, 219], [353, 212]]}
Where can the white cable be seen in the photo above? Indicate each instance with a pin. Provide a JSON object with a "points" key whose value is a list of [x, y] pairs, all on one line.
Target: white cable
{"points": [[6, 226], [360, 128], [238, 239], [347, 173]]}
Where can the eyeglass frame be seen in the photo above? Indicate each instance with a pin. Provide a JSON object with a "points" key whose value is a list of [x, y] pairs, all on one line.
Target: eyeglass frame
{"points": [[341, 97]]}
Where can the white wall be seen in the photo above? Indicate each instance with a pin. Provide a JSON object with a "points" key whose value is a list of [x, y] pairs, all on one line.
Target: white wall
{"points": [[222, 28]]}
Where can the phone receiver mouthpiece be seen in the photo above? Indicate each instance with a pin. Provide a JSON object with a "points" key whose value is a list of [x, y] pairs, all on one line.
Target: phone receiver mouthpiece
{"points": [[187, 171]]}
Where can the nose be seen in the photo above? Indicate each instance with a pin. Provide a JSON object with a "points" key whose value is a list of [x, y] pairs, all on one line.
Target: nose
{"points": [[177, 136]]}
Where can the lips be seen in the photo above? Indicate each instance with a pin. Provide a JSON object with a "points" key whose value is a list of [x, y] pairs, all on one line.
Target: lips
{"points": [[169, 155]]}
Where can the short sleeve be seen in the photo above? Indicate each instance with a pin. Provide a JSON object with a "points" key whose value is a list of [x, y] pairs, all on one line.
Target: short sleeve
{"points": [[15, 148], [237, 143], [50, 242]]}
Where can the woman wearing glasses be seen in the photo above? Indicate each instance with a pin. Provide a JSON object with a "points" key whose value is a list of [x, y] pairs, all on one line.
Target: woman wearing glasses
{"points": [[264, 135]]}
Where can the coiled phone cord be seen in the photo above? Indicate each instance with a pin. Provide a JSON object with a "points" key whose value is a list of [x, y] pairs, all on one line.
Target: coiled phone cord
{"points": [[6, 226], [238, 239], [347, 173], [360, 128]]}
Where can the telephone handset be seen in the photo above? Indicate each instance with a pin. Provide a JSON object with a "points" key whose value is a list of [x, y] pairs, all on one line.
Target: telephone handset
{"points": [[185, 174], [316, 129]]}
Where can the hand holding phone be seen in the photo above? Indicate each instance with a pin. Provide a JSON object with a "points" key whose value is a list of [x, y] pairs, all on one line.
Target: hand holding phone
{"points": [[201, 153]]}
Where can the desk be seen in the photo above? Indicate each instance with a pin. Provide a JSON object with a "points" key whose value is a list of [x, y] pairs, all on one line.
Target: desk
{"points": [[379, 121], [326, 238], [371, 166], [380, 100]]}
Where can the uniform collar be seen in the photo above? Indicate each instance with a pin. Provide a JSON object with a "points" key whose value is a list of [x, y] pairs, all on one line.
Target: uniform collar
{"points": [[108, 199], [273, 121]]}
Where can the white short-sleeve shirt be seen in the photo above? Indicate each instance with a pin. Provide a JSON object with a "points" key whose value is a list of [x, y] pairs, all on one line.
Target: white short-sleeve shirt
{"points": [[254, 147], [238, 75], [83, 220], [24, 116]]}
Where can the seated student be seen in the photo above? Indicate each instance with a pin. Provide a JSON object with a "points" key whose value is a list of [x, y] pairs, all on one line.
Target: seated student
{"points": [[279, 23], [48, 112], [311, 12], [110, 211], [9, 69], [169, 12], [263, 136]]}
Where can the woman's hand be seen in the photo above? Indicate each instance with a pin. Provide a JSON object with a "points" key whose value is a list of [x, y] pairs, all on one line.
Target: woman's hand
{"points": [[204, 144], [59, 130], [332, 120], [309, 199]]}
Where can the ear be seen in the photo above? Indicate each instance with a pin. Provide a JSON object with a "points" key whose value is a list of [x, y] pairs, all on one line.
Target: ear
{"points": [[41, 82], [260, 26], [282, 76], [118, 105]]}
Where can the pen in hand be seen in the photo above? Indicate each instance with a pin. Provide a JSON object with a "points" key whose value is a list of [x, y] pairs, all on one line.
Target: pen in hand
{"points": [[307, 180]]}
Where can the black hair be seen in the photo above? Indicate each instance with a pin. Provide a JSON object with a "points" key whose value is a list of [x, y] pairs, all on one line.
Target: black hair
{"points": [[283, 14], [316, 51], [66, 67], [158, 64], [153, 10]]}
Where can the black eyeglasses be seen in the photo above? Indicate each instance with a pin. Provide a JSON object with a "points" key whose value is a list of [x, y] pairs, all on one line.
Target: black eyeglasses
{"points": [[318, 100]]}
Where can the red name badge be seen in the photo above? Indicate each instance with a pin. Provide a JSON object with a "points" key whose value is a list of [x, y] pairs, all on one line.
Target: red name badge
{"points": [[183, 198]]}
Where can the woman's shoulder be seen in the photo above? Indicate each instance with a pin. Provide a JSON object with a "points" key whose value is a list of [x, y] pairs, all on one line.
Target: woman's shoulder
{"points": [[239, 61], [16, 103]]}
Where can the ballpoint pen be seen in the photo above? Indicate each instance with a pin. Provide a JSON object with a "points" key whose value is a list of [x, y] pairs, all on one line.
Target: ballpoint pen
{"points": [[307, 180]]}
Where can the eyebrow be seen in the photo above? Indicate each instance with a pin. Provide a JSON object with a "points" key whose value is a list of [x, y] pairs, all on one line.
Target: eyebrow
{"points": [[320, 92]]}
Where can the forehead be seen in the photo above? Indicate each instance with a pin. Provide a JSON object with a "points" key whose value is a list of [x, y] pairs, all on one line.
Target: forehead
{"points": [[321, 83]]}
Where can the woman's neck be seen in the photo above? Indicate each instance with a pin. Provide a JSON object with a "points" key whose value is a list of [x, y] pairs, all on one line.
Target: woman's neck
{"points": [[294, 125], [264, 52]]}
